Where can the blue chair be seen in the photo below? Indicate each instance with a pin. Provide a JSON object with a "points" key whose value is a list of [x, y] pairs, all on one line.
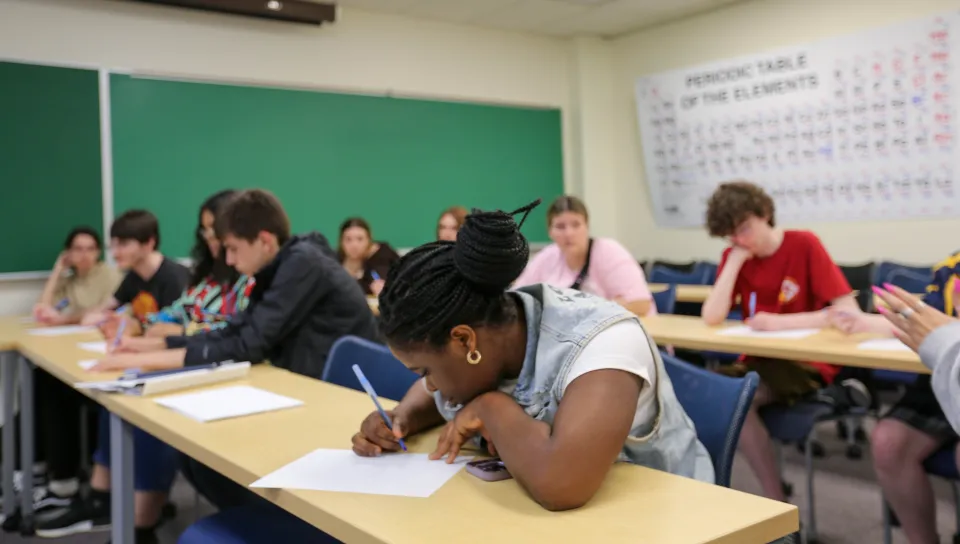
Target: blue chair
{"points": [[386, 374], [717, 405], [707, 270], [666, 300], [260, 523], [885, 269], [911, 280], [662, 274], [941, 464]]}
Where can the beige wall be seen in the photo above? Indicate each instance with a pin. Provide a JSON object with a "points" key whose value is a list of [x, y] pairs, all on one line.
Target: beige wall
{"points": [[741, 29], [361, 52]]}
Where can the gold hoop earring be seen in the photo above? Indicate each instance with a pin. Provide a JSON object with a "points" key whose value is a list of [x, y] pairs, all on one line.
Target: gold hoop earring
{"points": [[474, 357]]}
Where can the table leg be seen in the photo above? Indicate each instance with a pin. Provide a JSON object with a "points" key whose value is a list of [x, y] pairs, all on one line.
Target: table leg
{"points": [[121, 479], [26, 446], [8, 373]]}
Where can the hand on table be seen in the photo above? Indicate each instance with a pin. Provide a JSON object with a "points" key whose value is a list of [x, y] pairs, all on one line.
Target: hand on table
{"points": [[764, 321]]}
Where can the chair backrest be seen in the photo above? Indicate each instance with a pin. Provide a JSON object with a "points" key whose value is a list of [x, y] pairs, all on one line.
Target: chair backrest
{"points": [[660, 274], [679, 267], [860, 277], [666, 300], [717, 405], [885, 269], [385, 373], [707, 270], [910, 281]]}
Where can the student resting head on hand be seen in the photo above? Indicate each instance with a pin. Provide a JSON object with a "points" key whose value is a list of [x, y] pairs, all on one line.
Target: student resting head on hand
{"points": [[450, 222], [79, 282], [367, 261], [598, 266], [494, 365]]}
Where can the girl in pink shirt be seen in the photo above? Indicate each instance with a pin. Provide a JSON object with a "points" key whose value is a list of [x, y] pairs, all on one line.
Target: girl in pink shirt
{"points": [[612, 273]]}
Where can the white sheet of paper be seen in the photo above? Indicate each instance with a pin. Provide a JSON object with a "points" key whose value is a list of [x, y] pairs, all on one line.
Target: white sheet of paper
{"points": [[60, 331], [97, 347], [400, 474], [883, 344], [227, 402], [88, 364], [744, 330]]}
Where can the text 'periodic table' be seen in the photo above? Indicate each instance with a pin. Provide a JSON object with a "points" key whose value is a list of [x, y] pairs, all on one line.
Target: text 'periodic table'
{"points": [[852, 128]]}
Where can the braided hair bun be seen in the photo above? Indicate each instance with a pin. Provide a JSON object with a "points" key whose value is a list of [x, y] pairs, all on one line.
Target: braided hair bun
{"points": [[443, 284], [490, 252]]}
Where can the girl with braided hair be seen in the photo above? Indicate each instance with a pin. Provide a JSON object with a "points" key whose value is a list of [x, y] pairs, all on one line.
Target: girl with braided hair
{"points": [[559, 383]]}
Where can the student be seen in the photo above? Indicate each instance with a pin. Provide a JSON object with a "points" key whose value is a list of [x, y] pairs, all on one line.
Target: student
{"points": [[791, 278], [562, 383], [598, 266], [217, 291], [80, 281], [151, 281], [450, 222], [366, 260], [916, 426]]}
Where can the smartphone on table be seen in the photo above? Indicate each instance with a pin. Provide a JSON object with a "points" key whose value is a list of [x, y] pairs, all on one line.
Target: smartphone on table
{"points": [[491, 470]]}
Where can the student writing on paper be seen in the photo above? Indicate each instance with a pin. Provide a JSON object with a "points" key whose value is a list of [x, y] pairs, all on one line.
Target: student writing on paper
{"points": [[450, 222], [217, 291], [791, 278], [600, 266], [916, 426], [552, 378], [366, 260], [152, 281], [79, 282]]}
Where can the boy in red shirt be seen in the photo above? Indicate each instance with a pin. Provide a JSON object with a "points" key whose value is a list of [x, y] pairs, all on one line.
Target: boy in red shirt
{"points": [[792, 279]]}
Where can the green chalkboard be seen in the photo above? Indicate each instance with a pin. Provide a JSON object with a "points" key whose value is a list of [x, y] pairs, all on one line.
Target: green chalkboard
{"points": [[49, 161], [396, 162]]}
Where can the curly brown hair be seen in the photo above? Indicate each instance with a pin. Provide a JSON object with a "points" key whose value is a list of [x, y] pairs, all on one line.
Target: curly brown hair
{"points": [[734, 202]]}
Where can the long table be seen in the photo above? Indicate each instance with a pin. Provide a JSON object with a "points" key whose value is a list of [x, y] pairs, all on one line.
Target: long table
{"points": [[826, 346], [634, 501]]}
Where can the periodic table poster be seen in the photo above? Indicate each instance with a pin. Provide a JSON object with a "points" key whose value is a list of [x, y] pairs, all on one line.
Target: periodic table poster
{"points": [[852, 128]]}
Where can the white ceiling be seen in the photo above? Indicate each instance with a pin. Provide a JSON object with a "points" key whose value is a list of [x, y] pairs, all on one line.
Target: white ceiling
{"points": [[553, 17]]}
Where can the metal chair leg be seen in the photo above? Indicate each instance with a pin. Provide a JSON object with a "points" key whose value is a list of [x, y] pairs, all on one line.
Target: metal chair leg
{"points": [[885, 516], [811, 529]]}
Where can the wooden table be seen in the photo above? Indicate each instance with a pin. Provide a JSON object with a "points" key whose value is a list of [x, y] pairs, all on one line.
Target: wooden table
{"points": [[827, 346], [685, 293], [633, 503]]}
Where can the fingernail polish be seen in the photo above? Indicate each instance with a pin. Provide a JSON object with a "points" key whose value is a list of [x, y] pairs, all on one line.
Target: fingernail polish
{"points": [[888, 286], [881, 309], [876, 289]]}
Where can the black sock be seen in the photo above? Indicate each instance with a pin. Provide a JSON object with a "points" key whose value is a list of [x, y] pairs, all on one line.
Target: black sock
{"points": [[99, 500], [98, 495], [145, 535]]}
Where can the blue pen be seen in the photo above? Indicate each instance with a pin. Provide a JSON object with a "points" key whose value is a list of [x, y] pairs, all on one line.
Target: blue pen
{"points": [[373, 395], [374, 275], [62, 305], [753, 304], [116, 339]]}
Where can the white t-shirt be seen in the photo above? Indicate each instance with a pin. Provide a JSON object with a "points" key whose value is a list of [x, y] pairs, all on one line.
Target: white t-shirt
{"points": [[622, 346]]}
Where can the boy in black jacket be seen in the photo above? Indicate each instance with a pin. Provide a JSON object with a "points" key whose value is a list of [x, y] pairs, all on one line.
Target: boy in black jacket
{"points": [[302, 303]]}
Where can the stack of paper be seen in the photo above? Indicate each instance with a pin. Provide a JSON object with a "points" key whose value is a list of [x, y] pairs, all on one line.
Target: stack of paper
{"points": [[400, 474], [744, 330], [227, 402], [60, 331]]}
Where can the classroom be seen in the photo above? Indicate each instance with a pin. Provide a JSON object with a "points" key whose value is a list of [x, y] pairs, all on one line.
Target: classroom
{"points": [[383, 204]]}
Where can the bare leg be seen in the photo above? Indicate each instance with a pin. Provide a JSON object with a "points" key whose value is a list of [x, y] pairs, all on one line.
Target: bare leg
{"points": [[898, 454], [147, 504], [756, 446]]}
